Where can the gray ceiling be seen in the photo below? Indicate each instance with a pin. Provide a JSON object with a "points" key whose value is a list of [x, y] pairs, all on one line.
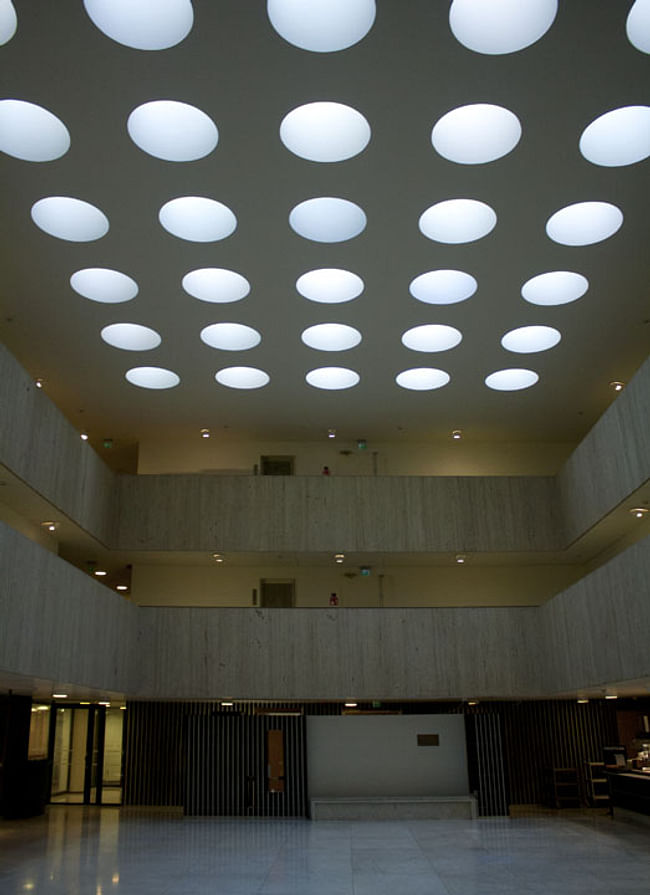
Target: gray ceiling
{"points": [[403, 76]]}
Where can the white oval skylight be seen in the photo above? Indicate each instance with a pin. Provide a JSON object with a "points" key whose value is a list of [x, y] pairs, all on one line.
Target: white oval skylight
{"points": [[327, 219], [557, 287], [197, 219], [619, 137], [8, 21], [152, 377], [638, 25], [431, 337], [230, 336], [500, 26], [330, 285], [511, 380], [130, 336], [322, 26], [31, 133], [332, 378], [443, 287], [216, 284], [71, 219], [475, 134], [325, 132], [584, 223], [242, 377], [143, 24], [104, 285], [528, 339], [173, 131], [421, 379], [331, 337], [455, 221]]}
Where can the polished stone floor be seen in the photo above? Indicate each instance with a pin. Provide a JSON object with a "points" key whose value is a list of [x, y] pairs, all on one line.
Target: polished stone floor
{"points": [[102, 851]]}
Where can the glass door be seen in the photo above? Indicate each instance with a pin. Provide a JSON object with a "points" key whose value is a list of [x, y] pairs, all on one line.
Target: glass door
{"points": [[69, 760]]}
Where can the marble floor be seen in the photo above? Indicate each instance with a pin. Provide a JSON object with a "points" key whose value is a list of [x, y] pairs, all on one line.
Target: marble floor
{"points": [[105, 851]]}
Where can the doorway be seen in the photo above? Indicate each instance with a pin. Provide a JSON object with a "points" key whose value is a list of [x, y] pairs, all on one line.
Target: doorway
{"points": [[277, 465], [86, 755]]}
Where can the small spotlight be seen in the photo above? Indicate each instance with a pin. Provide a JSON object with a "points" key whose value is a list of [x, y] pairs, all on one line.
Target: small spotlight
{"points": [[83, 436], [121, 587], [217, 557], [350, 705], [100, 573], [639, 512], [59, 695], [617, 386], [461, 558], [472, 702], [457, 434], [84, 703], [39, 383], [582, 701], [339, 557], [107, 704], [331, 433], [205, 433], [611, 696], [50, 526], [123, 708], [227, 704]]}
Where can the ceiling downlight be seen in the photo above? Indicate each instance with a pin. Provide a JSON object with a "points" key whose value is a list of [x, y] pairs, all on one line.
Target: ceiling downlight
{"points": [[331, 337], [476, 134], [71, 219], [496, 27], [230, 336], [130, 337], [104, 285], [332, 378], [584, 223], [330, 285], [455, 221], [557, 287], [325, 132], [420, 379], [152, 377], [142, 24], [242, 377], [197, 219], [31, 133], [443, 287], [530, 339], [617, 138], [432, 337], [511, 380], [172, 131], [322, 26], [327, 219], [216, 285]]}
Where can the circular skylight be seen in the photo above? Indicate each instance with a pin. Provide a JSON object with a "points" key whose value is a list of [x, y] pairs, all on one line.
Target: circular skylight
{"points": [[431, 337], [8, 21], [71, 219], [130, 336], [173, 131], [329, 285], [152, 377], [332, 378], [638, 25], [528, 339], [104, 285], [322, 26], [31, 133], [473, 135], [422, 379], [325, 132], [557, 287], [584, 223], [500, 26], [511, 380], [619, 137], [443, 287], [143, 24], [230, 336], [327, 219], [331, 337], [242, 377], [216, 285], [457, 220], [197, 219]]}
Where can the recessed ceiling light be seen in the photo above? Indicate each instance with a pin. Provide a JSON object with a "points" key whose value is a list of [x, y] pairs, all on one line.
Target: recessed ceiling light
{"points": [[461, 558], [511, 380], [214, 284], [611, 696], [327, 219], [325, 132], [322, 26], [8, 21], [242, 377], [152, 377], [638, 25], [31, 133], [443, 287], [101, 573], [172, 131], [104, 285], [130, 336], [50, 526], [584, 223], [431, 337], [121, 587], [330, 285], [500, 26], [339, 557], [59, 695], [582, 701], [617, 385], [226, 704], [557, 287], [84, 436], [350, 705], [476, 134], [457, 434], [205, 433], [230, 336], [70, 219], [197, 219], [331, 433], [421, 379], [639, 512], [143, 24], [472, 702], [332, 378], [39, 383], [527, 339], [620, 137], [456, 221], [331, 337]]}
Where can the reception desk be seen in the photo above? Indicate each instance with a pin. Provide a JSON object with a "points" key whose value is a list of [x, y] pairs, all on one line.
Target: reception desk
{"points": [[630, 790]]}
